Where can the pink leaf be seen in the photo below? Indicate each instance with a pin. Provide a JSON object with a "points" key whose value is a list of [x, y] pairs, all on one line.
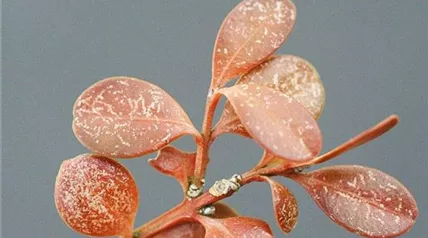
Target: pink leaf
{"points": [[252, 31], [175, 163], [235, 227], [96, 196], [188, 229], [279, 123], [288, 74], [126, 117], [222, 210], [285, 206], [363, 200]]}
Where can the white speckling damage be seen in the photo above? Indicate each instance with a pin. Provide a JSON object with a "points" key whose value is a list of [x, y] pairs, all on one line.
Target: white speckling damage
{"points": [[266, 111], [96, 195], [363, 200], [251, 32], [127, 117], [245, 227]]}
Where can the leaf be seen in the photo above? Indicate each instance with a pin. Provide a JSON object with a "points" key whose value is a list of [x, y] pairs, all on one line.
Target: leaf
{"points": [[175, 163], [188, 229], [288, 74], [363, 200], [252, 31], [222, 210], [235, 227], [126, 117], [280, 124], [284, 205], [96, 196]]}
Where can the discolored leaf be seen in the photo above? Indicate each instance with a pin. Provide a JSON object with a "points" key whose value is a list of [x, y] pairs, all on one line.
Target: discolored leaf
{"points": [[127, 117], [96, 196], [235, 227], [363, 200], [288, 74], [175, 163], [284, 205], [222, 210], [252, 31], [279, 123], [188, 229]]}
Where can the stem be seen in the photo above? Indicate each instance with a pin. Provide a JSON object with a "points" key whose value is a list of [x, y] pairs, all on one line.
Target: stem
{"points": [[368, 135], [188, 209], [204, 143]]}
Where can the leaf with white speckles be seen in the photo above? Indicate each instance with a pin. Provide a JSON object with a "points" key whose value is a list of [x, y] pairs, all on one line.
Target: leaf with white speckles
{"points": [[222, 210], [187, 229], [363, 200], [288, 74], [96, 196], [175, 163], [235, 227], [126, 117], [252, 31], [276, 121], [284, 205]]}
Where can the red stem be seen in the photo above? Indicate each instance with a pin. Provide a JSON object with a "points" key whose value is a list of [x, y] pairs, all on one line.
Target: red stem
{"points": [[204, 143]]}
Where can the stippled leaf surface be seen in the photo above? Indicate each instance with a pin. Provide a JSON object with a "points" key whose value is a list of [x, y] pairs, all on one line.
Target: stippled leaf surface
{"points": [[127, 117], [363, 200], [279, 123], [252, 31], [235, 227], [288, 74], [175, 163], [96, 196], [284, 204]]}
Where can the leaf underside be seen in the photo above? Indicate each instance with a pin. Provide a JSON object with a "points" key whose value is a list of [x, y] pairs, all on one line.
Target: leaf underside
{"points": [[175, 163]]}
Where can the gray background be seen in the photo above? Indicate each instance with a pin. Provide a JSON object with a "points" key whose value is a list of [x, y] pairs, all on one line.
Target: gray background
{"points": [[371, 55]]}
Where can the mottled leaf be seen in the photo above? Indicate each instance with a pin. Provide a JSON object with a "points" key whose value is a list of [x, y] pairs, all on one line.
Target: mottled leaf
{"points": [[175, 163], [222, 210], [288, 74], [279, 123], [363, 200], [235, 227], [126, 117], [252, 31], [284, 205], [96, 196], [188, 229]]}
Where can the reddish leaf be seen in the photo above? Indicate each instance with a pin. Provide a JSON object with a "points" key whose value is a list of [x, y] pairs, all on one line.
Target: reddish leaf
{"points": [[293, 76], [284, 205], [288, 74], [188, 229], [175, 163], [279, 123], [96, 196], [363, 200], [235, 227], [222, 210], [126, 117], [252, 31]]}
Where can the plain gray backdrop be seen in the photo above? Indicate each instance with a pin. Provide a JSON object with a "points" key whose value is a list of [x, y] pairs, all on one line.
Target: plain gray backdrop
{"points": [[372, 57]]}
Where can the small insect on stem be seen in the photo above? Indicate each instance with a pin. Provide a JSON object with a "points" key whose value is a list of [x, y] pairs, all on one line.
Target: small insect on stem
{"points": [[224, 186], [207, 210], [194, 191]]}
